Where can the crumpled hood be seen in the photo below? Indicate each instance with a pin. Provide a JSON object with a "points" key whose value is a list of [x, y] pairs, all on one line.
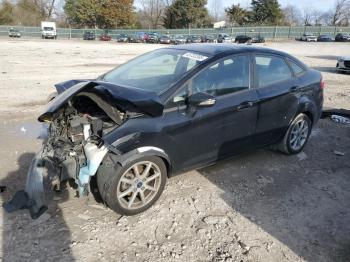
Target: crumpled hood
{"points": [[126, 98]]}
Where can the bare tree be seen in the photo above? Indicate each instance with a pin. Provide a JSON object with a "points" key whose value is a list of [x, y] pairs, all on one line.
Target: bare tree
{"points": [[216, 10], [341, 12], [152, 11], [307, 16], [292, 15]]}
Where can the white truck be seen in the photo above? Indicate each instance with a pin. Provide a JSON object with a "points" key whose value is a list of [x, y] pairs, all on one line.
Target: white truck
{"points": [[48, 30]]}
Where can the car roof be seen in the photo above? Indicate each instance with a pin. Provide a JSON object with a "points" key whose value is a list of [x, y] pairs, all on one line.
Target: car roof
{"points": [[215, 49]]}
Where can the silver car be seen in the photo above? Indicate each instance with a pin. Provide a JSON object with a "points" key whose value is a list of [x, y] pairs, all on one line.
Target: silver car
{"points": [[309, 38], [343, 64]]}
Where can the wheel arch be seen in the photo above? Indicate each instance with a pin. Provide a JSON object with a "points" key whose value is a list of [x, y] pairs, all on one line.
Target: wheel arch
{"points": [[126, 158], [307, 107]]}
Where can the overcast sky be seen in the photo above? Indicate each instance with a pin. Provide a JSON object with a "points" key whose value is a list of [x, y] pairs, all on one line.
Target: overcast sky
{"points": [[322, 5]]}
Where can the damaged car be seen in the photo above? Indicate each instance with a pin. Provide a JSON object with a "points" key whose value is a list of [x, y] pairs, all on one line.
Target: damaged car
{"points": [[168, 111]]}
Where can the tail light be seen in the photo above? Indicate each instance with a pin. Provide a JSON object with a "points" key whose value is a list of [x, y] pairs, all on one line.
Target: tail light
{"points": [[322, 84]]}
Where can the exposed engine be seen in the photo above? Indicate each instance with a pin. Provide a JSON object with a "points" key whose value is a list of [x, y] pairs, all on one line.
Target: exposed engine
{"points": [[78, 128]]}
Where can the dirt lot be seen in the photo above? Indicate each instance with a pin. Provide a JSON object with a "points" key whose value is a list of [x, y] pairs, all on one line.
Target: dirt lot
{"points": [[262, 206]]}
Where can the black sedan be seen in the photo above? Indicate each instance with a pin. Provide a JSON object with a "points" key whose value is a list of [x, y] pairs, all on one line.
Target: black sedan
{"points": [[193, 39], [89, 36], [172, 110], [342, 37], [241, 39], [122, 38], [325, 38]]}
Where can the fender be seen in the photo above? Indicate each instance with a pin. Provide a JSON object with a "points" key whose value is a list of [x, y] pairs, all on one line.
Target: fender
{"points": [[309, 106], [134, 154]]}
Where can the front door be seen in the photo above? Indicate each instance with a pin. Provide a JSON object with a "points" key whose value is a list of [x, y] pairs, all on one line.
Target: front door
{"points": [[205, 134]]}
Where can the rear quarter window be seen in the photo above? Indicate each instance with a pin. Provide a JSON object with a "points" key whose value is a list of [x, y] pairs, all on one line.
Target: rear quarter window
{"points": [[298, 70]]}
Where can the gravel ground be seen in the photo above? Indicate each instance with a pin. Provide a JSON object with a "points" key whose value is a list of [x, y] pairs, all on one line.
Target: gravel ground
{"points": [[261, 206]]}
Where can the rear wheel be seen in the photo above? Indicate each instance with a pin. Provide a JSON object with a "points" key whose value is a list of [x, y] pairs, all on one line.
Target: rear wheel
{"points": [[134, 188], [297, 135]]}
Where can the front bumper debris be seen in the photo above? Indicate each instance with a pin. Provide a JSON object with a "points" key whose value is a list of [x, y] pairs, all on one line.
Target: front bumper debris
{"points": [[33, 197]]}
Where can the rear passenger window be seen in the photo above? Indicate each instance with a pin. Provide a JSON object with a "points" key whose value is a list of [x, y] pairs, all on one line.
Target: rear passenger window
{"points": [[270, 69], [296, 69]]}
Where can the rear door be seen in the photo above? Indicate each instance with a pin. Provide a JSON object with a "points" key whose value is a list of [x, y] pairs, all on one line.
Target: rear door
{"points": [[277, 95]]}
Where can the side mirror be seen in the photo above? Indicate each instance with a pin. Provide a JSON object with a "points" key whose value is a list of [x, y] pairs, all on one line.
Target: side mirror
{"points": [[201, 100]]}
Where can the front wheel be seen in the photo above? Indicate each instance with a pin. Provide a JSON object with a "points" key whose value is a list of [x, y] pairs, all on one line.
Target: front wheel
{"points": [[134, 188], [297, 135]]}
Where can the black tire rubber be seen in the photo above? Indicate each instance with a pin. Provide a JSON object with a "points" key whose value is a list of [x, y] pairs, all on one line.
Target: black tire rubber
{"points": [[109, 174], [284, 145]]}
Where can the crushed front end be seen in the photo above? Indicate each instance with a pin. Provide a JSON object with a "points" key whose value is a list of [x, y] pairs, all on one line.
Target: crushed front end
{"points": [[79, 118]]}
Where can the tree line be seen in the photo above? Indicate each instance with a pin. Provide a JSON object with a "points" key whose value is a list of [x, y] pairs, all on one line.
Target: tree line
{"points": [[170, 14]]}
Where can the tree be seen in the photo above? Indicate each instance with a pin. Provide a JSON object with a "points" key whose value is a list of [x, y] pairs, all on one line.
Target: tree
{"points": [[152, 12], [99, 14], [216, 10], [292, 15], [341, 12], [116, 13], [28, 13], [187, 13], [237, 15], [6, 13], [266, 12]]}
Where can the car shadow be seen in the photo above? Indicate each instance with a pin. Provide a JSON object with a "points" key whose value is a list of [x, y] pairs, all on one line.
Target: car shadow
{"points": [[325, 57], [326, 69], [302, 203], [24, 239]]}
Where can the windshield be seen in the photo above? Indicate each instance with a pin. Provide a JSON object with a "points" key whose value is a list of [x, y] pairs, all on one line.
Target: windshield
{"points": [[48, 28], [155, 71]]}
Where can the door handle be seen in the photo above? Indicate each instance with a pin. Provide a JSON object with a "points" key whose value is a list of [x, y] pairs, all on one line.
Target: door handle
{"points": [[293, 88], [244, 105]]}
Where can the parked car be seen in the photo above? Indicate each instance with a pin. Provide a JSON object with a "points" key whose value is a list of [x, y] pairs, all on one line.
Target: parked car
{"points": [[241, 39], [88, 35], [133, 38], [308, 38], [325, 38], [153, 38], [165, 39], [105, 37], [122, 38], [142, 37], [342, 37], [172, 110], [224, 38], [208, 39], [179, 39], [343, 64], [14, 33], [193, 39]]}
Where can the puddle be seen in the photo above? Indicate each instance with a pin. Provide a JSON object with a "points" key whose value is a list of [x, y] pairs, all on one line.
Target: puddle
{"points": [[27, 129]]}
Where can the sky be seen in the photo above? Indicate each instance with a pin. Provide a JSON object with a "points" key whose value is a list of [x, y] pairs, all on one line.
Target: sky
{"points": [[321, 5]]}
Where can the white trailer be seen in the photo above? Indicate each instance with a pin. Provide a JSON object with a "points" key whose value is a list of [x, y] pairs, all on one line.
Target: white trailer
{"points": [[48, 30]]}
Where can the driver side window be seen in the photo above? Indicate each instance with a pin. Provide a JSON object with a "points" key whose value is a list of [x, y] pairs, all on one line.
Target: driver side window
{"points": [[227, 76]]}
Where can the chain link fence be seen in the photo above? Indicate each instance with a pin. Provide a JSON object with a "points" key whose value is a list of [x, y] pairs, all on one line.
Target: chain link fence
{"points": [[269, 32]]}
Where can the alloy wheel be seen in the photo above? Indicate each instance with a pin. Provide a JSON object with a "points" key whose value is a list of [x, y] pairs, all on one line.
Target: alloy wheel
{"points": [[139, 185], [299, 134]]}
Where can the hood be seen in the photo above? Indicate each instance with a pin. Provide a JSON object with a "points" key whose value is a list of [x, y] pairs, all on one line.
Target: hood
{"points": [[125, 98], [345, 58]]}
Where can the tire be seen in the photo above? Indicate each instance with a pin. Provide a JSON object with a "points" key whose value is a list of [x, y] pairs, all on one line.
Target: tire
{"points": [[290, 145], [111, 177]]}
